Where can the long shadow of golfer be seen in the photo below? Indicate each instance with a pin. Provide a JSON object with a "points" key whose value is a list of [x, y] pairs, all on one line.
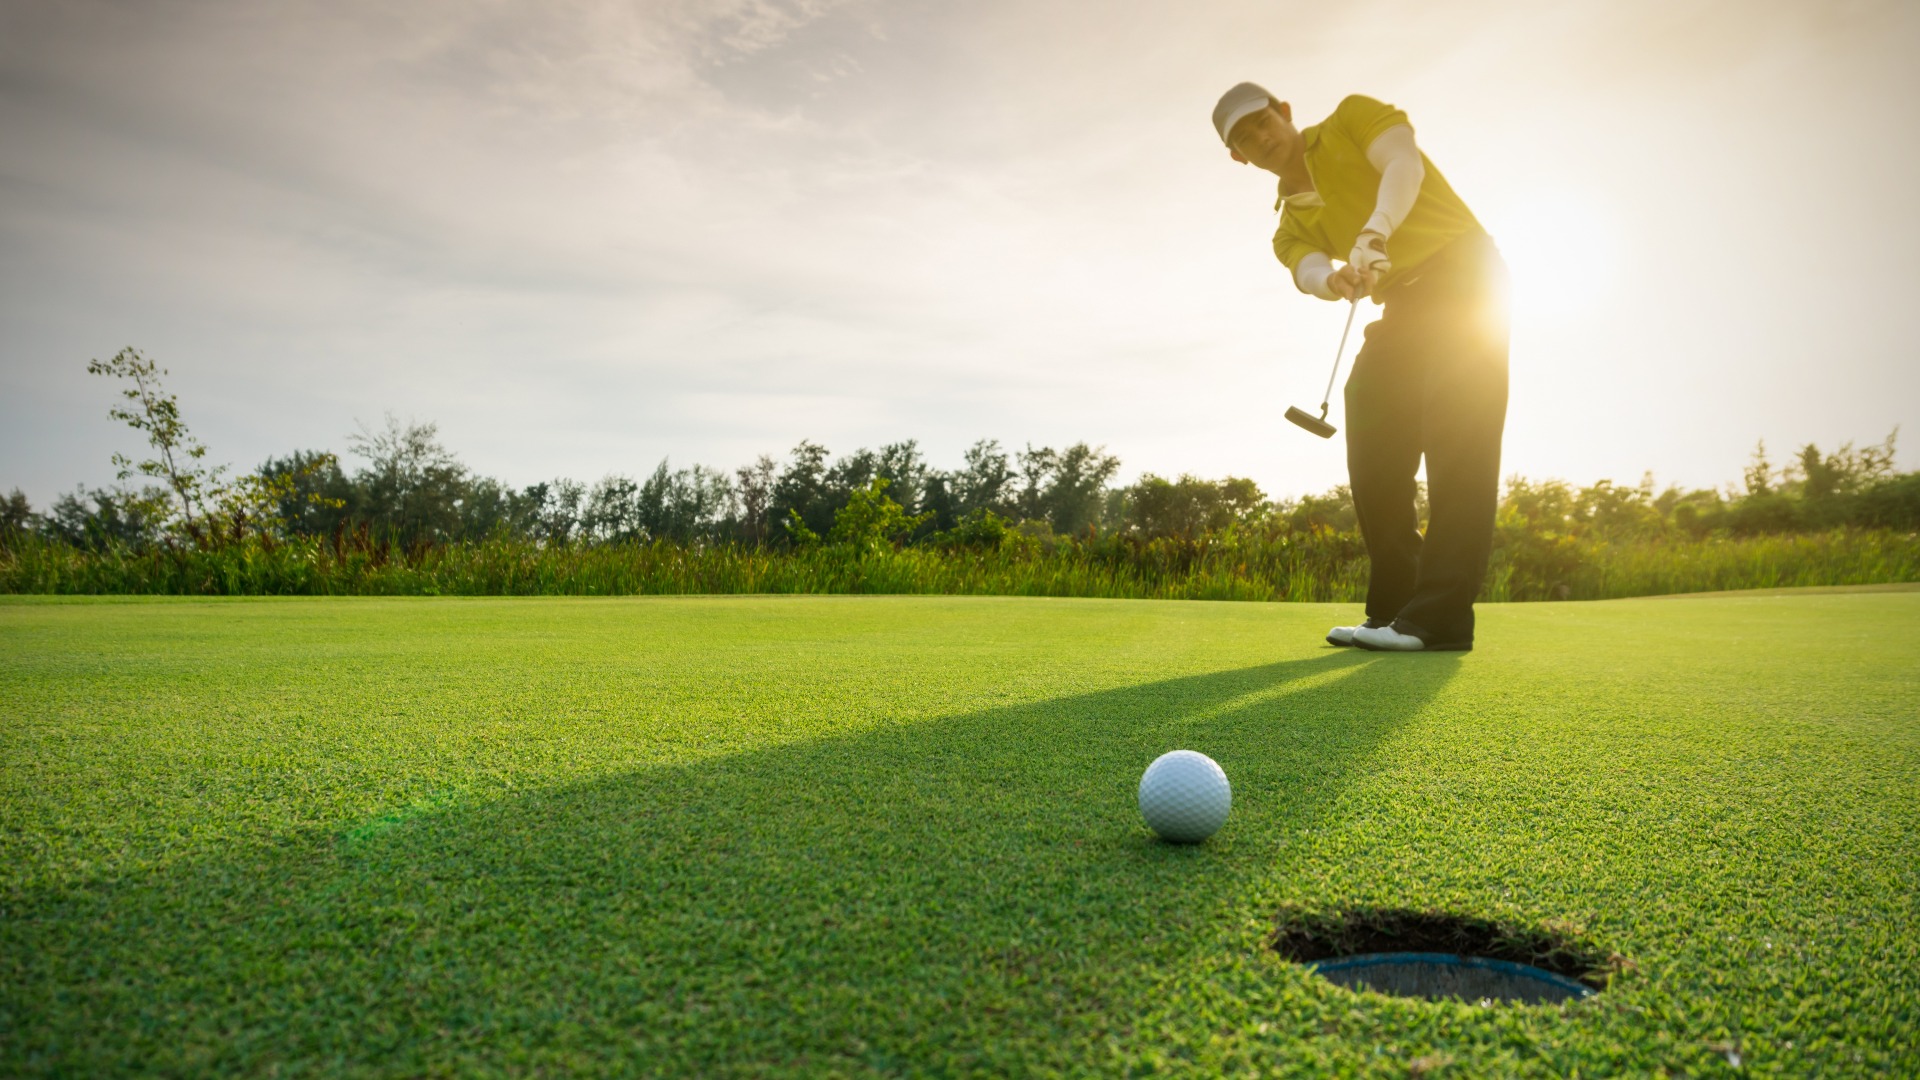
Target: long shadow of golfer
{"points": [[884, 900]]}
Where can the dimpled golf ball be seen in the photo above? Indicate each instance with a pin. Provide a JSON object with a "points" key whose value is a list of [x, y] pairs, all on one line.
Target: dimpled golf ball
{"points": [[1184, 796]]}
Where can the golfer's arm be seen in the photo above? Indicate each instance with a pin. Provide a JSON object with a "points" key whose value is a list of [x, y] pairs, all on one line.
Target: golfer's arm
{"points": [[1310, 275], [1401, 171]]}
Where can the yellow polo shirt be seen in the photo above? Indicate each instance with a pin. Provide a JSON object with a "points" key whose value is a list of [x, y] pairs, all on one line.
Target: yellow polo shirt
{"points": [[1348, 185]]}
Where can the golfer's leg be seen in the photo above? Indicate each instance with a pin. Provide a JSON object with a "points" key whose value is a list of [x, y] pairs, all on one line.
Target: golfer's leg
{"points": [[1383, 454], [1465, 413]]}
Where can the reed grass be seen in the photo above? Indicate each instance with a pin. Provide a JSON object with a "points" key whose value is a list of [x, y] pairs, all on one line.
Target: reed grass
{"points": [[1612, 568], [1313, 566]]}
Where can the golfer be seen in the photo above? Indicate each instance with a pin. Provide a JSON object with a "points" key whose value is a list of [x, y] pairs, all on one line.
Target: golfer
{"points": [[1431, 378]]}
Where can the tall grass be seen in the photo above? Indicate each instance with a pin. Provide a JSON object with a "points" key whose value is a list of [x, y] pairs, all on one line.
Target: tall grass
{"points": [[1654, 567], [510, 567], [1316, 566]]}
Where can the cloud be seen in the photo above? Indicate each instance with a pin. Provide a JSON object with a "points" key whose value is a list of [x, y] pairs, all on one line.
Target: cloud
{"points": [[587, 235]]}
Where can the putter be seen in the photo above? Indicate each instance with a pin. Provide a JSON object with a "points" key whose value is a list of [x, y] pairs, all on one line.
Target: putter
{"points": [[1318, 425]]}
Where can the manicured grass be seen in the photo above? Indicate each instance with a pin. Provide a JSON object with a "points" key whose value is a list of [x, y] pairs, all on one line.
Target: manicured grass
{"points": [[867, 835]]}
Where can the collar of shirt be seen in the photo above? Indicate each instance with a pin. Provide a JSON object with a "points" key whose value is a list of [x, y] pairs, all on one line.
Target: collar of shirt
{"points": [[1303, 200]]}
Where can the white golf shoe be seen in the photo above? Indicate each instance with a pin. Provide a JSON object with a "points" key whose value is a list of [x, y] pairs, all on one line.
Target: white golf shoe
{"points": [[1343, 635], [1386, 639]]}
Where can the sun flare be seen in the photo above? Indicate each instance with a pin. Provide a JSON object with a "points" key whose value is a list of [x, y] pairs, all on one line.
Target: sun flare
{"points": [[1564, 253]]}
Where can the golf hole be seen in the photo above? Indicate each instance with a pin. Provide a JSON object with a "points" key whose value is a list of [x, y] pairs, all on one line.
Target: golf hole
{"points": [[1438, 956]]}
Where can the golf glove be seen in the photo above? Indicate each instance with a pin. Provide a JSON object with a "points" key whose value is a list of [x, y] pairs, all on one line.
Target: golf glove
{"points": [[1369, 254]]}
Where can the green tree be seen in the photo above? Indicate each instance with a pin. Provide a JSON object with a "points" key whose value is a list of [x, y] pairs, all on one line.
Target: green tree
{"points": [[937, 499], [1846, 471], [871, 522], [152, 410], [612, 513], [556, 510], [979, 529], [319, 498], [800, 493], [493, 508], [1758, 475], [684, 505], [1067, 488], [1189, 507], [116, 519], [754, 483], [210, 510], [16, 517], [1892, 504], [985, 482], [1331, 512], [412, 487], [900, 464]]}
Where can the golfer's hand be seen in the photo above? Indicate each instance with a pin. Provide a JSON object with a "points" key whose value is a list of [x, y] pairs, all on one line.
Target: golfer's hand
{"points": [[1369, 258], [1348, 284]]}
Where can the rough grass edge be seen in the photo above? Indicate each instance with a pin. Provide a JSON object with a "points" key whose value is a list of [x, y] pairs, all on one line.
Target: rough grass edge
{"points": [[1331, 569]]}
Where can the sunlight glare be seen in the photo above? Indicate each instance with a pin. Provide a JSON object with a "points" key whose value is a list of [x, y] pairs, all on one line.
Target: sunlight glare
{"points": [[1563, 250]]}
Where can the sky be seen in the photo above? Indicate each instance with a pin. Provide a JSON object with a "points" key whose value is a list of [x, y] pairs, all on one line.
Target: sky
{"points": [[585, 236]]}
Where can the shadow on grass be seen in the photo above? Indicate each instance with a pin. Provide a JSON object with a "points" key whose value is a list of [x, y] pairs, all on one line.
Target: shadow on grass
{"points": [[969, 893]]}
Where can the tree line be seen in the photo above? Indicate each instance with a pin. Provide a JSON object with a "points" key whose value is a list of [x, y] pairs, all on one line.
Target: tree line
{"points": [[410, 489]]}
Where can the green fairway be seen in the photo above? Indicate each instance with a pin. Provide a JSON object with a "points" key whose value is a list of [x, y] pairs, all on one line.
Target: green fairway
{"points": [[881, 835]]}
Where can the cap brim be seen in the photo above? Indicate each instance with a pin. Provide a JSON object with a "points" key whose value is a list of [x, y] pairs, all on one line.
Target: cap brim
{"points": [[1240, 112]]}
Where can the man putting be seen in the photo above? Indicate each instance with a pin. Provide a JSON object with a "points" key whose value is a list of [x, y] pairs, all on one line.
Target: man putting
{"points": [[1431, 377]]}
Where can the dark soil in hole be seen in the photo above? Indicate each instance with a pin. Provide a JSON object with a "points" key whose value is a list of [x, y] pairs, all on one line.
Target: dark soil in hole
{"points": [[1306, 936]]}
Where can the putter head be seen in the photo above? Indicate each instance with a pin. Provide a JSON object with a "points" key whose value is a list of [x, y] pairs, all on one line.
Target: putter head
{"points": [[1310, 422]]}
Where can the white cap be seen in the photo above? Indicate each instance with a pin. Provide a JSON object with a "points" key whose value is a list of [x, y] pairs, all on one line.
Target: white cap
{"points": [[1236, 105]]}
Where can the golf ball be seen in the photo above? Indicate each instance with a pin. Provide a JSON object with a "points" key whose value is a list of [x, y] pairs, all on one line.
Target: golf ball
{"points": [[1184, 796]]}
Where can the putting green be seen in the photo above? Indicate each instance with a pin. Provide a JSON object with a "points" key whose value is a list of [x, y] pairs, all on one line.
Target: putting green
{"points": [[855, 835]]}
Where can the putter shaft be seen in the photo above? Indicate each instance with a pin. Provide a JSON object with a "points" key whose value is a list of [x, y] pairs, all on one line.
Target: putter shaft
{"points": [[1352, 306]]}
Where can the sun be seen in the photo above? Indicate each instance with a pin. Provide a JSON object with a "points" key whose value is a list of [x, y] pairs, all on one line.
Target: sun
{"points": [[1564, 252]]}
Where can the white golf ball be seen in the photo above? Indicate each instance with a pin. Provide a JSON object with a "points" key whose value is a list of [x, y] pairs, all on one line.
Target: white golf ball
{"points": [[1184, 796]]}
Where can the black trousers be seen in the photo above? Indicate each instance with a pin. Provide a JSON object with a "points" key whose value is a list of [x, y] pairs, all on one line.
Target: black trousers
{"points": [[1431, 380]]}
